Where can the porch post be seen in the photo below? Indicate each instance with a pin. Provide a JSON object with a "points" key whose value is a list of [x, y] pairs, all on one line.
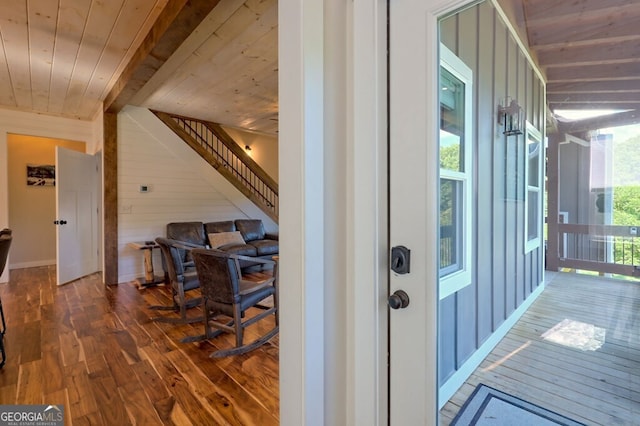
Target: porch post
{"points": [[553, 190]]}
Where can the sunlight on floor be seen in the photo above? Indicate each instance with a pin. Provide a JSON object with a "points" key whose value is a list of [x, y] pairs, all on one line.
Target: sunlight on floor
{"points": [[506, 357], [577, 335]]}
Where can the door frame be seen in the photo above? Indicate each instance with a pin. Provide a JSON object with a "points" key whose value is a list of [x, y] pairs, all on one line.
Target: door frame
{"points": [[316, 389], [308, 40]]}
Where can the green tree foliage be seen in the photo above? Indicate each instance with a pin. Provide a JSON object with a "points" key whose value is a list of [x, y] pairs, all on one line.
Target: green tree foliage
{"points": [[626, 162], [450, 157], [626, 181], [626, 205], [626, 197]]}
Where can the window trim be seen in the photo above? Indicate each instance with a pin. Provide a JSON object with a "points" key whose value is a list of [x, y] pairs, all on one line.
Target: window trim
{"points": [[533, 133], [461, 278]]}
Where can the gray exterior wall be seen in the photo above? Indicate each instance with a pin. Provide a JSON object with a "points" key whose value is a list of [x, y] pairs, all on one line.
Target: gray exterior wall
{"points": [[573, 176], [503, 275]]}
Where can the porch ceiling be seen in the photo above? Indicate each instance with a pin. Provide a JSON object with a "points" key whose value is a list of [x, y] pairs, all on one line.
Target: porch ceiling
{"points": [[588, 50], [68, 57]]}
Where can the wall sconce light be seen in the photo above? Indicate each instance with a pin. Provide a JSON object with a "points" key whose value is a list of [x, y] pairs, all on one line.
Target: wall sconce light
{"points": [[248, 149], [511, 116]]}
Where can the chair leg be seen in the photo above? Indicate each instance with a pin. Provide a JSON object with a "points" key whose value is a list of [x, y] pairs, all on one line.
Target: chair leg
{"points": [[183, 319], [246, 348], [2, 352], [239, 331], [4, 324], [239, 327], [209, 333], [180, 305], [275, 305]]}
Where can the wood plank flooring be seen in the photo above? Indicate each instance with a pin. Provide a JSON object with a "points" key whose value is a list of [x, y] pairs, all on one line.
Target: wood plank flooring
{"points": [[594, 383], [95, 350]]}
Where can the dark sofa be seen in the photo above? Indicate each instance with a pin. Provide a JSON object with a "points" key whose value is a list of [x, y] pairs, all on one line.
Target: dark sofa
{"points": [[246, 237]]}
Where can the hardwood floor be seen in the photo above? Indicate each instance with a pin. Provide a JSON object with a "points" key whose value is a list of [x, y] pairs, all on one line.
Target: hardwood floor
{"points": [[95, 350], [576, 351]]}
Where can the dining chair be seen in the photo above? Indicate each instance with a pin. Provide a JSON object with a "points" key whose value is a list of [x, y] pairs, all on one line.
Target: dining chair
{"points": [[5, 243]]}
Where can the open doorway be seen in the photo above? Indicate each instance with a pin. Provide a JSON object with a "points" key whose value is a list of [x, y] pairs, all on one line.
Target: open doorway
{"points": [[32, 207]]}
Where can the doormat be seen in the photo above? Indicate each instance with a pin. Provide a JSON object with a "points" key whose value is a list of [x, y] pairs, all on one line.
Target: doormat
{"points": [[488, 406]]}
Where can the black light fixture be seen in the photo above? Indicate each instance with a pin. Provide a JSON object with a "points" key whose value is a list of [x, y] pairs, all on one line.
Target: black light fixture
{"points": [[247, 148], [511, 116]]}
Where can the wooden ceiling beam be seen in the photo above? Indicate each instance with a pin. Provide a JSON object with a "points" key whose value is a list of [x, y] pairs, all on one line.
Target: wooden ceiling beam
{"points": [[622, 52], [626, 71], [593, 106], [602, 30], [603, 86], [625, 97], [540, 10], [176, 22]]}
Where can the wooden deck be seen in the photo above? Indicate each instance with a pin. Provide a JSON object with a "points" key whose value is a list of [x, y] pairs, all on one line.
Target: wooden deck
{"points": [[96, 351], [576, 351]]}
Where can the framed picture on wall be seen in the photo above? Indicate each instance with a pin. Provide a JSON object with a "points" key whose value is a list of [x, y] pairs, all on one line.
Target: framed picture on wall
{"points": [[41, 175]]}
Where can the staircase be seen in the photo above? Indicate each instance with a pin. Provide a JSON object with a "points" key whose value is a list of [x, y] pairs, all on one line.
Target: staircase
{"points": [[216, 147]]}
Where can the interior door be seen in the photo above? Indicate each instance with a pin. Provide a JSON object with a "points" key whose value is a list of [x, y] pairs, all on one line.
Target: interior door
{"points": [[76, 215], [414, 208]]}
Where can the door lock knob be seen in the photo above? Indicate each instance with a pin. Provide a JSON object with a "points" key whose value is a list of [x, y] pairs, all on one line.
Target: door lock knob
{"points": [[398, 300]]}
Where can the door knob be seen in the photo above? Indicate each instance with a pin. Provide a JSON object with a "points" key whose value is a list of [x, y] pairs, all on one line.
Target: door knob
{"points": [[398, 300]]}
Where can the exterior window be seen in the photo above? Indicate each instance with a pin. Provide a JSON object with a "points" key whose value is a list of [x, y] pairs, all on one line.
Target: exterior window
{"points": [[455, 173], [533, 194]]}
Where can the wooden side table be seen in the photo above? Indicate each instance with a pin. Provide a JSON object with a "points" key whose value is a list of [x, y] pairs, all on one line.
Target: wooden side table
{"points": [[149, 279]]}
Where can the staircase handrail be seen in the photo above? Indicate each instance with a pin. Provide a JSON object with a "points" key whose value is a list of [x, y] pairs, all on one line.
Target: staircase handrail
{"points": [[219, 149]]}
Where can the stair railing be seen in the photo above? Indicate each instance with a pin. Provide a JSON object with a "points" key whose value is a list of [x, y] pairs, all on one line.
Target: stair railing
{"points": [[217, 147]]}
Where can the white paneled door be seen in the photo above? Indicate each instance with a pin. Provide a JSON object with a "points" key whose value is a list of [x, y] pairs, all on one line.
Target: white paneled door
{"points": [[414, 207], [76, 215]]}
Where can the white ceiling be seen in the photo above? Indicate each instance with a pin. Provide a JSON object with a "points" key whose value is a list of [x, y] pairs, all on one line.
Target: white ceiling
{"points": [[226, 71], [65, 57]]}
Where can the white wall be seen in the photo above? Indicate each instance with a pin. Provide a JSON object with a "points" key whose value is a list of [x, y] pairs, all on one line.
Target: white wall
{"points": [[183, 187], [23, 123]]}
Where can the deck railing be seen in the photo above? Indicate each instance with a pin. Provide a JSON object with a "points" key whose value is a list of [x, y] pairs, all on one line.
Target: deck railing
{"points": [[223, 153], [602, 248]]}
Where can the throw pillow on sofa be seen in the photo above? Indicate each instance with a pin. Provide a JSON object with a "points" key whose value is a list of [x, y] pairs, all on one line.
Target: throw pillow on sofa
{"points": [[219, 239]]}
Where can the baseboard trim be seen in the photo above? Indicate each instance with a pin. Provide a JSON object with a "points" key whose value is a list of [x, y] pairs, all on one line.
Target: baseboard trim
{"points": [[33, 264]]}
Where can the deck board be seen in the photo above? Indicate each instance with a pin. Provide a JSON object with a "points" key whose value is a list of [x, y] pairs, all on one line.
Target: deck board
{"points": [[596, 386]]}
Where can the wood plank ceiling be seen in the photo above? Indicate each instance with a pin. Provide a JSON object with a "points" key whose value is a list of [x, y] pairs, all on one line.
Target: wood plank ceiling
{"points": [[64, 57], [588, 50]]}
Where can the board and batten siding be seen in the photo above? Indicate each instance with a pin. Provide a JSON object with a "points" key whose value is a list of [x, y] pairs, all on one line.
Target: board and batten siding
{"points": [[182, 187], [504, 276]]}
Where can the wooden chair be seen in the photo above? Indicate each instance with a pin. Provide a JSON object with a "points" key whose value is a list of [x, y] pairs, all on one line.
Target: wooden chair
{"points": [[181, 280], [5, 244], [226, 293]]}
